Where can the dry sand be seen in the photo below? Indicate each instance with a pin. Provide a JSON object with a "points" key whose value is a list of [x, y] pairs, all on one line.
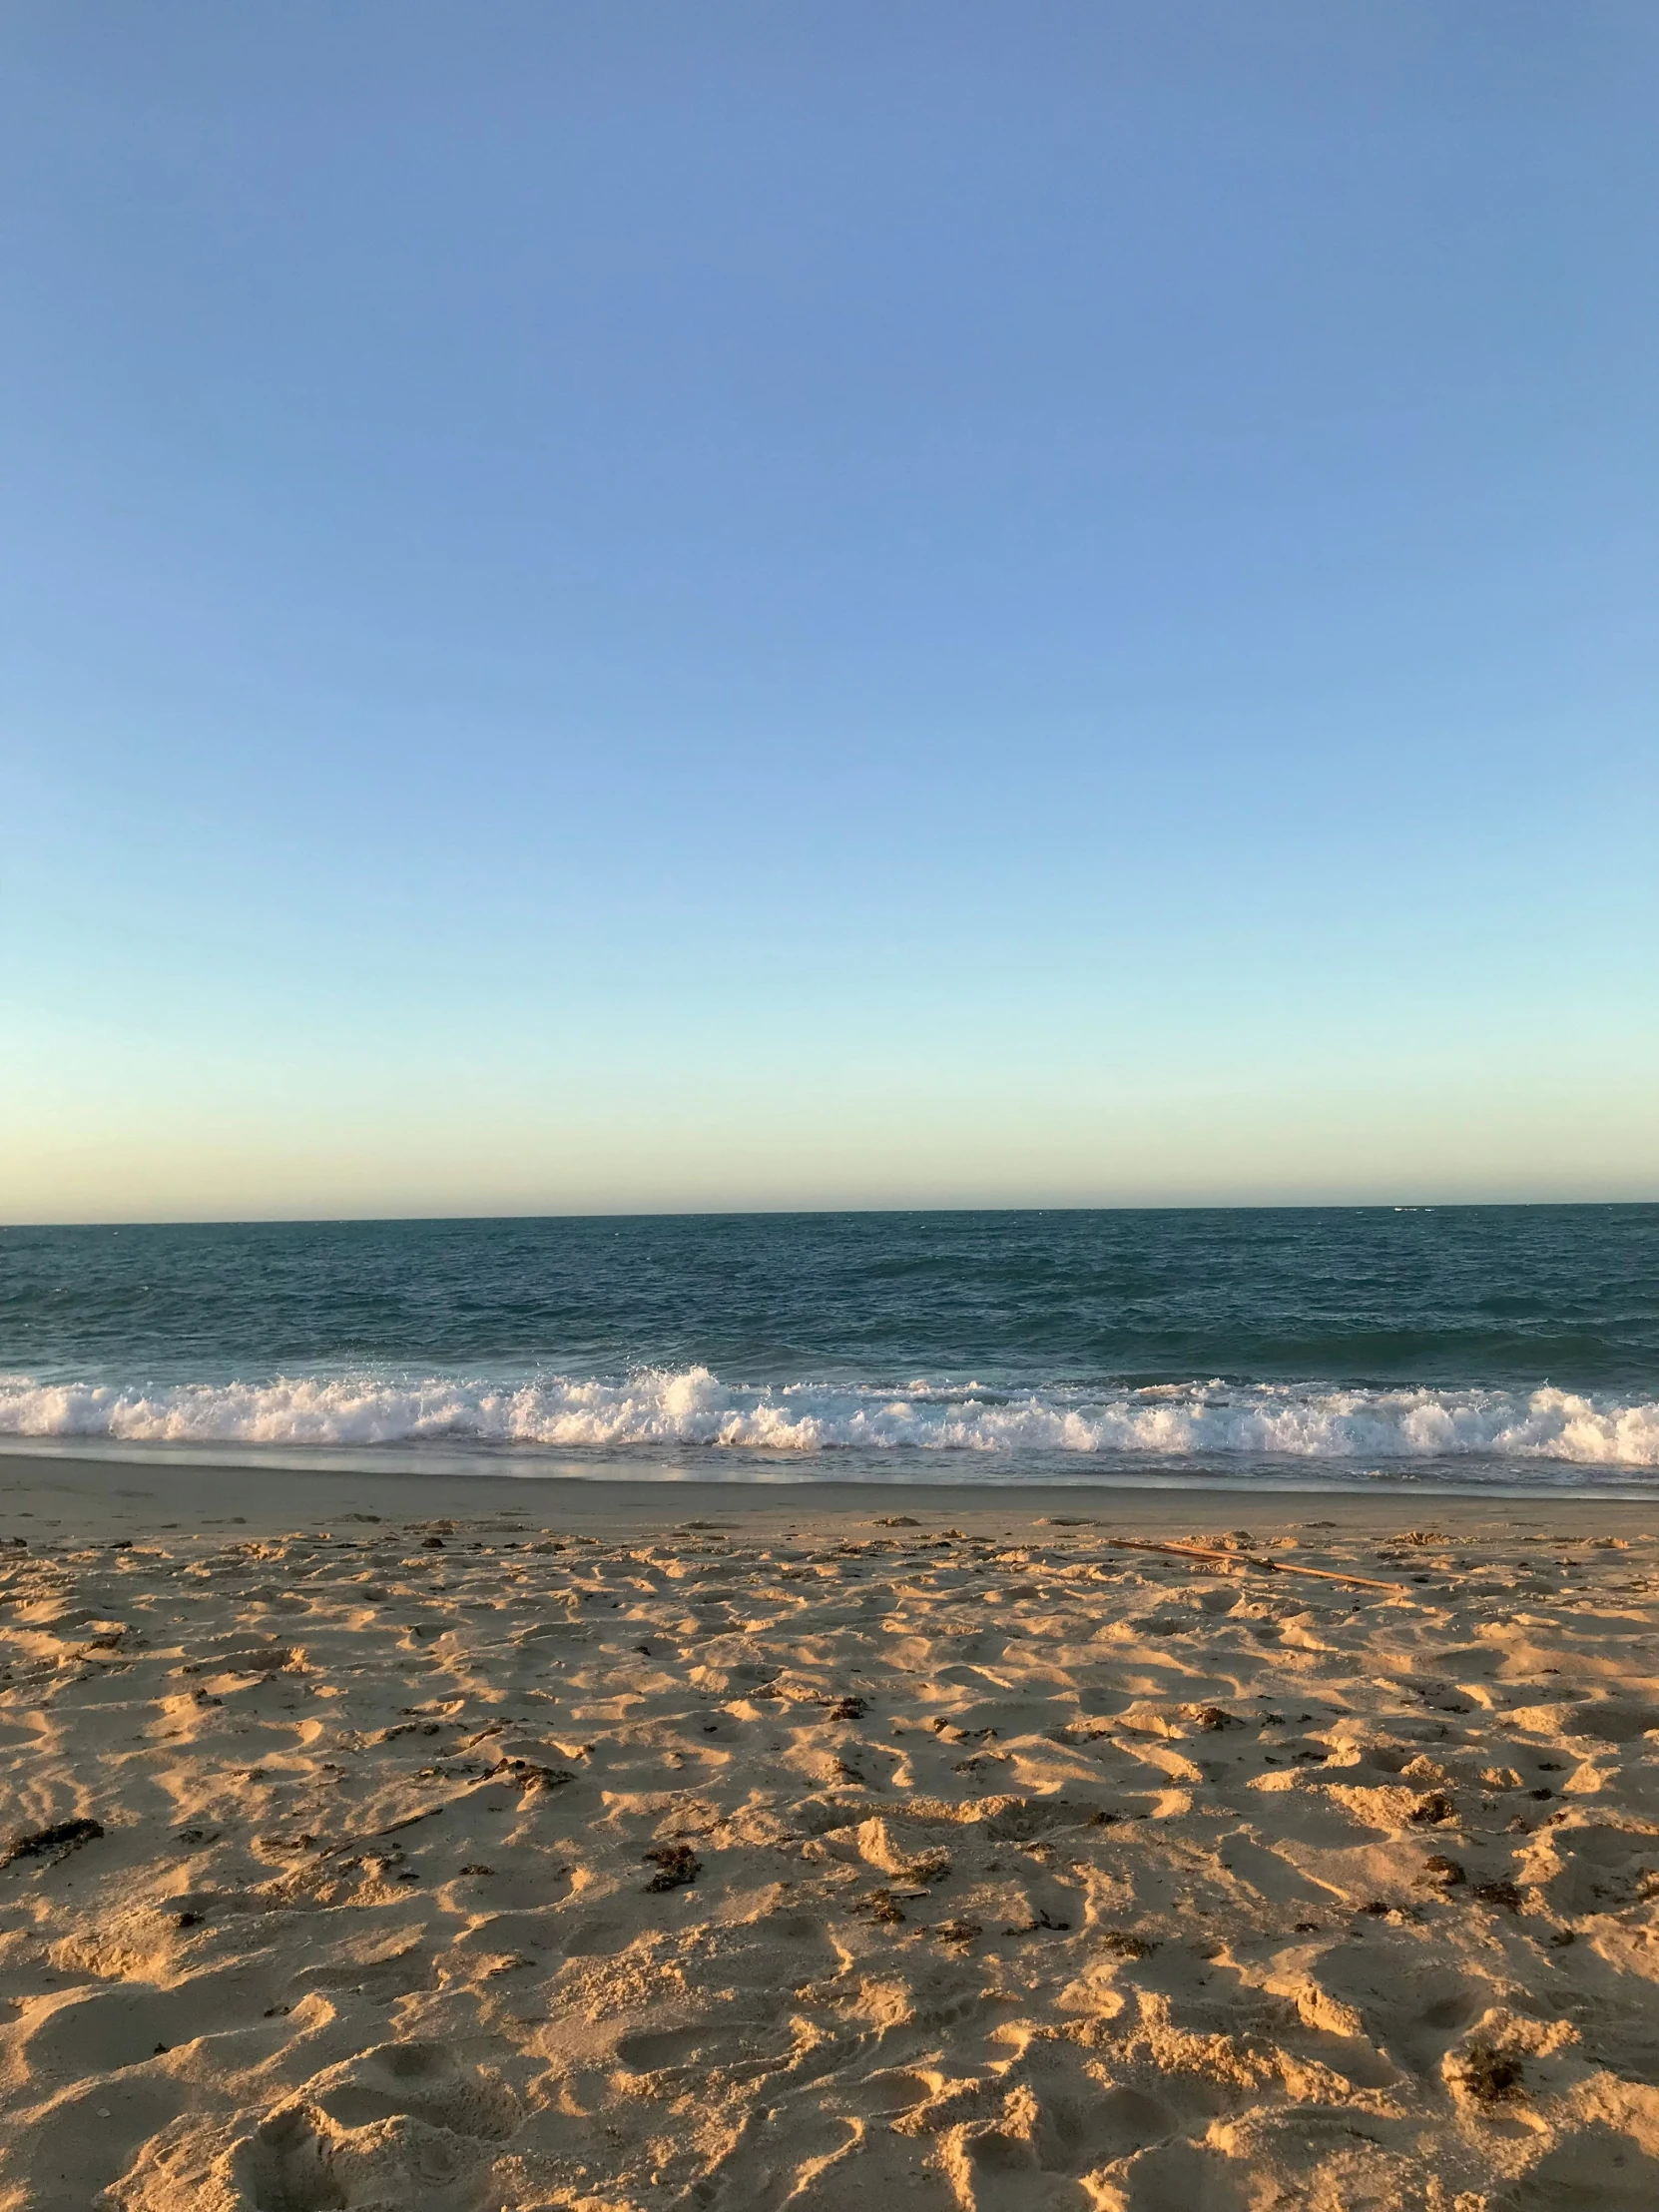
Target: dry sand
{"points": [[613, 1845]]}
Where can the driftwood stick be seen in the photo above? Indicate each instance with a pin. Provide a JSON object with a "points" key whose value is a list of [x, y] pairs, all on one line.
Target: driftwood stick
{"points": [[1243, 1559], [501, 1770]]}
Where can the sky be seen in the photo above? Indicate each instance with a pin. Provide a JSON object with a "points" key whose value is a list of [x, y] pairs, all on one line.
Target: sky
{"points": [[825, 603]]}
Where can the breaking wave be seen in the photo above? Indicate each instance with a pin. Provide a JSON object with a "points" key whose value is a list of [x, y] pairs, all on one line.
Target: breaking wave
{"points": [[654, 1408]]}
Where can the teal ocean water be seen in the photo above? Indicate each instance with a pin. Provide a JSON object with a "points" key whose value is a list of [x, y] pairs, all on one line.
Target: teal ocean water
{"points": [[1516, 1346]]}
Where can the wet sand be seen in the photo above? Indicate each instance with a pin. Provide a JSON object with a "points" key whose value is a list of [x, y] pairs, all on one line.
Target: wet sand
{"points": [[390, 1842]]}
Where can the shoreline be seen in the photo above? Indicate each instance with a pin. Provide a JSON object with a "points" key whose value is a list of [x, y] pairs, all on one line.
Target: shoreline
{"points": [[103, 1493]]}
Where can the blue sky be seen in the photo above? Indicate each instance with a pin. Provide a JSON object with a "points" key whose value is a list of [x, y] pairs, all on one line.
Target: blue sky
{"points": [[634, 606]]}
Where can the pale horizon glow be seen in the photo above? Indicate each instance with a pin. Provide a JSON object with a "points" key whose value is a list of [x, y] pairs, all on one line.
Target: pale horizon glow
{"points": [[612, 611]]}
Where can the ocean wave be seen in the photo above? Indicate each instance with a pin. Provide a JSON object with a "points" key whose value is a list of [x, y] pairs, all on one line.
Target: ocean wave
{"points": [[656, 1407]]}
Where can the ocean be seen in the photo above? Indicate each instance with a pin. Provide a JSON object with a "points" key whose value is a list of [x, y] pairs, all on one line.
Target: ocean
{"points": [[1475, 1347]]}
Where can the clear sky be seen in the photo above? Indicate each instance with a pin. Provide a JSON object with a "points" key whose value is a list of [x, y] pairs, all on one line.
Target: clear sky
{"points": [[639, 605]]}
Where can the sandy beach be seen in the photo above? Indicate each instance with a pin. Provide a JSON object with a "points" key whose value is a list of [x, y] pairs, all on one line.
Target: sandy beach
{"points": [[471, 1844]]}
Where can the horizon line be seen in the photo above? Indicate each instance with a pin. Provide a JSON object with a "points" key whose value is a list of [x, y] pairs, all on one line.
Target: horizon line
{"points": [[824, 1213]]}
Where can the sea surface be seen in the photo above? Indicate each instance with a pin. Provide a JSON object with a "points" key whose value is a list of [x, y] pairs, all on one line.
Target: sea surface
{"points": [[1472, 1347]]}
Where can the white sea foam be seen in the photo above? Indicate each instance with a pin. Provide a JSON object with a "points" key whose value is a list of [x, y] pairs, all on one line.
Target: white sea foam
{"points": [[657, 1408]]}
